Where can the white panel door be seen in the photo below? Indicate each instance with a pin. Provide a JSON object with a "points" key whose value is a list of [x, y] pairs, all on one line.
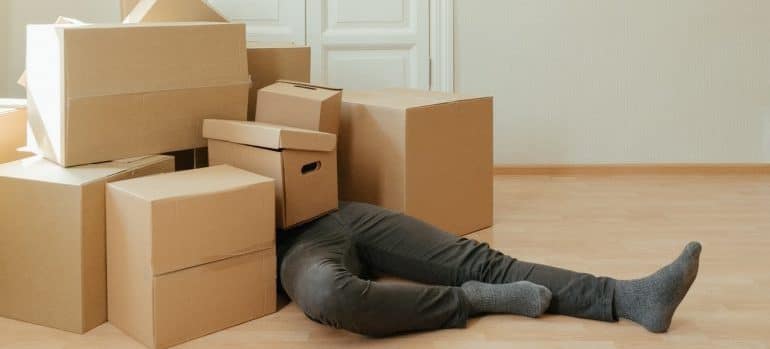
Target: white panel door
{"points": [[267, 20], [363, 44]]}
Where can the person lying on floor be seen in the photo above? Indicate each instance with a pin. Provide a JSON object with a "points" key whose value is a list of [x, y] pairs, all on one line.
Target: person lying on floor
{"points": [[326, 267]]}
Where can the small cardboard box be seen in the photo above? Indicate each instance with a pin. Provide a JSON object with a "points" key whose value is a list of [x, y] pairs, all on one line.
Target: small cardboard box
{"points": [[426, 154], [93, 100], [302, 162], [146, 11], [190, 253], [300, 105], [269, 63], [13, 129], [52, 236]]}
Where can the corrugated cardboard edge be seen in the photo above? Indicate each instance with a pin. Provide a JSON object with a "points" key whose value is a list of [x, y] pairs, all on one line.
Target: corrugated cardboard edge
{"points": [[323, 145], [143, 7], [469, 99], [136, 163], [305, 84], [320, 145], [242, 252], [357, 101]]}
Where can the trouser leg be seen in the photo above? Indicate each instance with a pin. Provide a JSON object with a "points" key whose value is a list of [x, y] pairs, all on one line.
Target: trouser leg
{"points": [[407, 247], [315, 274]]}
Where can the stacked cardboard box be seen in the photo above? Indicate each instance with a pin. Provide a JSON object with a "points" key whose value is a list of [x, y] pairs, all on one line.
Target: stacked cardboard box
{"points": [[303, 162], [190, 253], [301, 105], [145, 95], [269, 63], [156, 86], [52, 238], [427, 154], [13, 125]]}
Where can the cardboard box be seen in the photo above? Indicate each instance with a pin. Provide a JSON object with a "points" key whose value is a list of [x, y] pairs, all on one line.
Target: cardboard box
{"points": [[146, 11], [302, 162], [427, 154], [13, 129], [300, 105], [52, 237], [147, 95], [269, 63], [190, 253]]}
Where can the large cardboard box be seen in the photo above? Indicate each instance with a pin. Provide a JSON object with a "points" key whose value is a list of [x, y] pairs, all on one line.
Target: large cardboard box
{"points": [[13, 129], [190, 253], [146, 11], [52, 237], [302, 162], [269, 63], [427, 154], [300, 105], [93, 100]]}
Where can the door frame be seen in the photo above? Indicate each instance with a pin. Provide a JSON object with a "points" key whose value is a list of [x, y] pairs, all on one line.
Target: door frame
{"points": [[441, 45]]}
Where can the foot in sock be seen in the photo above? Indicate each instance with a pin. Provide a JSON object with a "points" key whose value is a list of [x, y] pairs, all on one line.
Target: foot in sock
{"points": [[651, 301], [520, 298]]}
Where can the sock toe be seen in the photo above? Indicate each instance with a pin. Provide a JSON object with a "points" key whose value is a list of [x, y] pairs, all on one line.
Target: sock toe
{"points": [[652, 301]]}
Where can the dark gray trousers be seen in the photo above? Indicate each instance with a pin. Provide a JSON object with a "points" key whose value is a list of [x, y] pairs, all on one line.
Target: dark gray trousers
{"points": [[327, 268]]}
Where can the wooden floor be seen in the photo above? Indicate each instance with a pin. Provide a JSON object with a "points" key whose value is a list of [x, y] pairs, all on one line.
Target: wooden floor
{"points": [[623, 226]]}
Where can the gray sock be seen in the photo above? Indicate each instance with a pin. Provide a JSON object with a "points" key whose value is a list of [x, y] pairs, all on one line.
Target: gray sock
{"points": [[520, 298], [651, 301]]}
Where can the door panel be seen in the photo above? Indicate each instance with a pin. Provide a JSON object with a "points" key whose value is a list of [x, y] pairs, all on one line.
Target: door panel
{"points": [[267, 20], [385, 41]]}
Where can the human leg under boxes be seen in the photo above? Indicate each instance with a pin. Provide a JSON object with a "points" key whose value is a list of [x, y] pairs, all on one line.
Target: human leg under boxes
{"points": [[326, 267]]}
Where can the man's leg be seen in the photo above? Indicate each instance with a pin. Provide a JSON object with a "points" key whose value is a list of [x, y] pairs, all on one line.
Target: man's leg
{"points": [[403, 246], [324, 288], [406, 247], [320, 271]]}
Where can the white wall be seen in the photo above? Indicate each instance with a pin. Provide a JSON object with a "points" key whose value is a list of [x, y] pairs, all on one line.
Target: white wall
{"points": [[620, 81], [22, 12], [4, 37]]}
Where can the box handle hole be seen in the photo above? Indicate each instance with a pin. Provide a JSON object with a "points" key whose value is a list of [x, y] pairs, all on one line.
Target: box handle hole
{"points": [[311, 167]]}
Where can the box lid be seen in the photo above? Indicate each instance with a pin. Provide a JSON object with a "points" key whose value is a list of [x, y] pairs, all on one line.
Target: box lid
{"points": [[39, 169], [260, 134], [173, 11], [302, 89], [403, 98], [200, 181]]}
